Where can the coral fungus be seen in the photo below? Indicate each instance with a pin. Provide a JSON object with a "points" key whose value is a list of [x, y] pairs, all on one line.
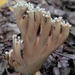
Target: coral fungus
{"points": [[37, 47]]}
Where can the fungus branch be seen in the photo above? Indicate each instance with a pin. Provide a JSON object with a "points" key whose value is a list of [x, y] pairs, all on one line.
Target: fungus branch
{"points": [[52, 33]]}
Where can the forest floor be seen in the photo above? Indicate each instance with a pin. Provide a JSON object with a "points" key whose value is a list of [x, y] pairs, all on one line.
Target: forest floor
{"points": [[61, 61]]}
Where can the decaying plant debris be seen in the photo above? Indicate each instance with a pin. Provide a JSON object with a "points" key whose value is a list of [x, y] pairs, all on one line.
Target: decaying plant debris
{"points": [[57, 61]]}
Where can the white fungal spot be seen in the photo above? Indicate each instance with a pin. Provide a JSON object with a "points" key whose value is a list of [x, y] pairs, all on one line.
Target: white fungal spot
{"points": [[70, 25], [6, 52], [21, 41], [18, 37], [47, 16], [28, 11], [55, 18], [65, 24], [43, 15], [53, 21], [14, 36], [37, 7], [18, 42], [61, 23], [60, 18], [48, 12]]}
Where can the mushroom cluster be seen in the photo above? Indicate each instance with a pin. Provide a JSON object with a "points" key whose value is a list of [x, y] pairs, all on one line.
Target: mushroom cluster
{"points": [[41, 36]]}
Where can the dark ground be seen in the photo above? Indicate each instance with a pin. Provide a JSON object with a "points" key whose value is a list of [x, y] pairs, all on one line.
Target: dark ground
{"points": [[60, 62]]}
